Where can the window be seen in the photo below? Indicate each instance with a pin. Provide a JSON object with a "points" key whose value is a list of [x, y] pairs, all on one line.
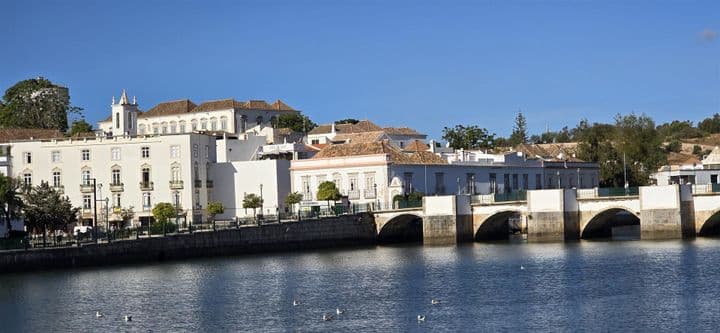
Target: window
{"points": [[175, 173], [141, 129], [55, 156], [85, 177], [213, 124], [115, 154], [116, 176], [315, 141], [305, 180], [197, 199], [515, 185], [506, 183], [182, 127], [470, 183], [195, 150], [27, 179], [194, 125], [87, 201], [173, 127], [525, 181], [176, 199], [439, 183], [259, 120], [57, 181], [156, 130], [538, 181], [27, 158], [145, 152], [207, 151], [337, 179], [407, 182], [493, 182], [175, 151], [207, 170], [203, 124], [243, 123], [117, 198], [196, 171], [146, 175], [223, 123], [147, 203], [370, 182], [352, 181], [164, 128], [86, 154]]}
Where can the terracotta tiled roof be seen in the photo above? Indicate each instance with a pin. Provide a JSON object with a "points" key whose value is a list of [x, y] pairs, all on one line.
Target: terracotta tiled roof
{"points": [[170, 108], [359, 137], [18, 134], [401, 131], [257, 105], [551, 151], [280, 106], [220, 104], [361, 127], [417, 145], [394, 154]]}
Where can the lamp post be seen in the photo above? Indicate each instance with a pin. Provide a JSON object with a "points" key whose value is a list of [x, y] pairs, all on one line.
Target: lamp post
{"points": [[558, 177], [261, 200], [107, 219], [177, 209], [94, 183]]}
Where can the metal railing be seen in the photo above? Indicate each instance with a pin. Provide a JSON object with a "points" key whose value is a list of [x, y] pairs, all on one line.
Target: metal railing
{"points": [[146, 186], [176, 185], [618, 191], [117, 187], [512, 196], [369, 194], [354, 194]]}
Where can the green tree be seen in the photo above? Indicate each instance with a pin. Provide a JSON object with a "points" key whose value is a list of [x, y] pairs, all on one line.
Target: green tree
{"points": [[253, 201], [10, 201], [126, 215], [162, 212], [79, 127], [327, 191], [296, 122], [468, 137], [674, 146], [676, 130], [519, 134], [710, 125], [46, 209], [214, 208], [697, 151], [347, 121], [37, 103], [292, 199]]}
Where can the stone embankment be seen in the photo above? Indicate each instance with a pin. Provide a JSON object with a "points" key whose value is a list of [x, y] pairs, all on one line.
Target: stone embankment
{"points": [[347, 230]]}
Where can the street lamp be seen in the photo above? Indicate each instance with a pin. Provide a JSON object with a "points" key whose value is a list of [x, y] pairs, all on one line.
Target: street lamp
{"points": [[107, 218], [95, 187], [176, 198], [261, 200]]}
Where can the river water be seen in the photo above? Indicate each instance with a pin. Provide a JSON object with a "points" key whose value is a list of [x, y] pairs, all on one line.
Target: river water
{"points": [[589, 286]]}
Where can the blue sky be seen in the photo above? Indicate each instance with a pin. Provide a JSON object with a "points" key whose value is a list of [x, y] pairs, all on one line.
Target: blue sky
{"points": [[423, 64]]}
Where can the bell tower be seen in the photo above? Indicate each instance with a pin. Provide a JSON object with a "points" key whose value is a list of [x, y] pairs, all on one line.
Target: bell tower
{"points": [[124, 116]]}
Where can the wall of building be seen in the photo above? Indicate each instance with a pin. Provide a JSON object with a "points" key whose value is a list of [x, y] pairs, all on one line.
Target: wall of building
{"points": [[241, 178], [333, 232]]}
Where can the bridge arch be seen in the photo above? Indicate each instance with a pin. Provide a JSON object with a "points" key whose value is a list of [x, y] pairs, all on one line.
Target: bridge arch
{"points": [[499, 225], [404, 227], [711, 226], [600, 224]]}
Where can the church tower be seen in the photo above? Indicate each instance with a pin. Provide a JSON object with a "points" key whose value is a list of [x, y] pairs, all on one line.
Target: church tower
{"points": [[124, 116]]}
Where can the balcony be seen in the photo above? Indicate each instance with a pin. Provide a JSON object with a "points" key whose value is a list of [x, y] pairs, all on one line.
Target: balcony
{"points": [[146, 186], [86, 188], [117, 187], [369, 194], [176, 185], [198, 183], [209, 183], [354, 194]]}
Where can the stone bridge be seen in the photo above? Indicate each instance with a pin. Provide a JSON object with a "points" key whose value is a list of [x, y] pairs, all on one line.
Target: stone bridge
{"points": [[662, 212]]}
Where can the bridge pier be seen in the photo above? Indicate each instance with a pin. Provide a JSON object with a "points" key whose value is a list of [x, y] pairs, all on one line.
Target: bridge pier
{"points": [[447, 220], [546, 216], [662, 215]]}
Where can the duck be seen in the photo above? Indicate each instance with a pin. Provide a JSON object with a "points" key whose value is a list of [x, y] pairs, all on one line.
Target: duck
{"points": [[339, 311], [98, 314], [434, 301], [327, 317], [421, 317], [296, 302], [128, 318], [522, 267]]}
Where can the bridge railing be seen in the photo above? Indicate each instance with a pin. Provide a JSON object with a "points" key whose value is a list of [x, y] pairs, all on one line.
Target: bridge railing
{"points": [[487, 199], [618, 191]]}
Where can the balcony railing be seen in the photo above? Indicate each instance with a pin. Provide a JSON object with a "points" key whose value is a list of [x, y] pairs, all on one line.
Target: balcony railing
{"points": [[146, 186], [354, 194], [369, 194], [117, 187], [198, 183], [209, 183], [86, 188], [176, 184], [59, 189]]}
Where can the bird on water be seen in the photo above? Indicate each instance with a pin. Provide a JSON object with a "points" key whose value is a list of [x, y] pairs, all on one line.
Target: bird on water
{"points": [[421, 318], [339, 311], [435, 301], [327, 317], [128, 318], [98, 314]]}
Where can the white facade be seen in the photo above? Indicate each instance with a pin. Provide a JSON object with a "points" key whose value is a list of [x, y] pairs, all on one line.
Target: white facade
{"points": [[707, 172]]}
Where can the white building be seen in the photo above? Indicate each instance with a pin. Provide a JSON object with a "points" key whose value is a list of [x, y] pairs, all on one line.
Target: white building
{"points": [[133, 167], [703, 173], [377, 171], [363, 131]]}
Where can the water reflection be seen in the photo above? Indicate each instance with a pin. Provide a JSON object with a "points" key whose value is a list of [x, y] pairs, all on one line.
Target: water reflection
{"points": [[603, 286]]}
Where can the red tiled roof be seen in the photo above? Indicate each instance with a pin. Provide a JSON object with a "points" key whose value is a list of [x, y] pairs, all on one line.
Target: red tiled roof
{"points": [[18, 134], [170, 108], [380, 147]]}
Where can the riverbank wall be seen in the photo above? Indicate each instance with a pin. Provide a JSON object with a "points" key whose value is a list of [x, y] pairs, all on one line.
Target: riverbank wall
{"points": [[346, 230]]}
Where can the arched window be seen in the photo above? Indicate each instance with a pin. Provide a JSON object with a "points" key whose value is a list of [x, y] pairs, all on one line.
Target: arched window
{"points": [[194, 124], [182, 126], [115, 172], [175, 172], [223, 123], [173, 127], [56, 178], [86, 175], [145, 175], [203, 124], [164, 127], [213, 124]]}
